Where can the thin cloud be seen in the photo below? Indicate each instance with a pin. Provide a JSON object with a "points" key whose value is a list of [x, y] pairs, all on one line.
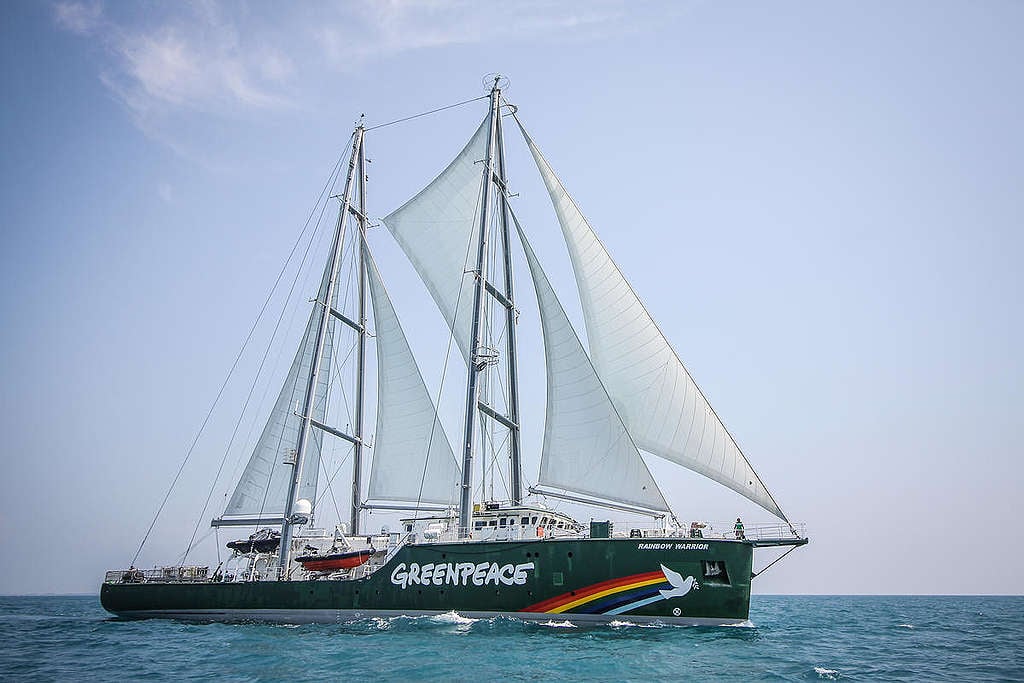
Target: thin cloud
{"points": [[77, 17], [165, 191], [192, 60], [224, 60], [374, 30]]}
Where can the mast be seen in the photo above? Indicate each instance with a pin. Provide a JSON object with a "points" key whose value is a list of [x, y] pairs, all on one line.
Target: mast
{"points": [[321, 335], [475, 365], [510, 326], [357, 447]]}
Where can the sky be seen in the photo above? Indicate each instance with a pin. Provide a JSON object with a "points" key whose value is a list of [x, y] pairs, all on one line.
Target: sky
{"points": [[820, 203]]}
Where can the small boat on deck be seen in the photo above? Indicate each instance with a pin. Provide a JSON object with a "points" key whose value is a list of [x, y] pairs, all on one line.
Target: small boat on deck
{"points": [[263, 541], [335, 561]]}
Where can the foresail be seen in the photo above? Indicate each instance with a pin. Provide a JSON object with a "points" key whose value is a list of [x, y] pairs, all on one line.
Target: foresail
{"points": [[586, 446], [661, 405], [263, 487], [438, 229], [412, 458]]}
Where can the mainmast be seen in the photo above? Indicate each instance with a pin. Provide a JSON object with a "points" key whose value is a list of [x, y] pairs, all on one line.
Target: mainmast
{"points": [[510, 324], [357, 446], [493, 173], [326, 312]]}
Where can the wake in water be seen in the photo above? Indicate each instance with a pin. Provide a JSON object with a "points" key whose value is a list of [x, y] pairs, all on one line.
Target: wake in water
{"points": [[510, 623], [821, 638], [559, 624], [629, 624]]}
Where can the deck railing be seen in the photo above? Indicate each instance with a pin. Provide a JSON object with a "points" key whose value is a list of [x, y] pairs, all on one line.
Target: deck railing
{"points": [[710, 530], [751, 532], [184, 574]]}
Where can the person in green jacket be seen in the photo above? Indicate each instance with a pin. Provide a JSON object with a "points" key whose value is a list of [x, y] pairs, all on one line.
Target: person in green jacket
{"points": [[738, 528]]}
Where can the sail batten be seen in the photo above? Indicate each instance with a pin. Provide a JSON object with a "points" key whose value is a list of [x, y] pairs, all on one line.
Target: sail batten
{"points": [[587, 449], [412, 457], [648, 383]]}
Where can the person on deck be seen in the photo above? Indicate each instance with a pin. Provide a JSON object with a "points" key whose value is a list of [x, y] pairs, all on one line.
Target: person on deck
{"points": [[738, 528], [695, 529]]}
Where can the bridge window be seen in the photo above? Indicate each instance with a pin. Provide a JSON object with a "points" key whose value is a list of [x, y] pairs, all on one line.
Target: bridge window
{"points": [[525, 521], [503, 522]]}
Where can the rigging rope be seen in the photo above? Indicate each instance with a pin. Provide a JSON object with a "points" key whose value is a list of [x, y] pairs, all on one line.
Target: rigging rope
{"points": [[755, 574], [266, 353], [444, 370], [234, 364], [427, 113], [280, 438]]}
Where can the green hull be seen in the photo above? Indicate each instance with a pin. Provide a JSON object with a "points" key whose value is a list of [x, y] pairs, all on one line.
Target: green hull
{"points": [[691, 581]]}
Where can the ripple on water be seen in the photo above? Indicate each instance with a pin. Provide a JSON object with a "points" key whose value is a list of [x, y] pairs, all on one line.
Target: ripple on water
{"points": [[796, 638]]}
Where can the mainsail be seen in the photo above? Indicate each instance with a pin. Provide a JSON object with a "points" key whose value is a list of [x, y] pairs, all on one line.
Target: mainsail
{"points": [[586, 446], [263, 487], [412, 458], [661, 405], [437, 229]]}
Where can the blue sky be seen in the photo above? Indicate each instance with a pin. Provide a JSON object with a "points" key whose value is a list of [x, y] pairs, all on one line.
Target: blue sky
{"points": [[820, 203]]}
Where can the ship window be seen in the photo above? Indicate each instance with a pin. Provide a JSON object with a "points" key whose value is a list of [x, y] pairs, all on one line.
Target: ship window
{"points": [[714, 572], [408, 528], [503, 522], [478, 525], [493, 522], [524, 521], [544, 521], [534, 521]]}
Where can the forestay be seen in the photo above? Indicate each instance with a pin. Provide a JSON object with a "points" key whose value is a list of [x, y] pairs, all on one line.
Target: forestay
{"points": [[437, 229], [661, 405], [412, 458], [263, 486], [586, 446]]}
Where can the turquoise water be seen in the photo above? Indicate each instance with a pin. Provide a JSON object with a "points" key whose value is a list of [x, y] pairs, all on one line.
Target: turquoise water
{"points": [[793, 638]]}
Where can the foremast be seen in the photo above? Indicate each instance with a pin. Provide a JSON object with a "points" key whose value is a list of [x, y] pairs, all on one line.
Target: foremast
{"points": [[356, 165], [493, 177]]}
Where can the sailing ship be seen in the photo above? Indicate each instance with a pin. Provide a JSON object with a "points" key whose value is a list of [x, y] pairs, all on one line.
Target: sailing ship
{"points": [[624, 392]]}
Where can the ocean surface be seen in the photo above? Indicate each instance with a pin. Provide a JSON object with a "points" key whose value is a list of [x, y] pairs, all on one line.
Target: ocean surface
{"points": [[790, 638]]}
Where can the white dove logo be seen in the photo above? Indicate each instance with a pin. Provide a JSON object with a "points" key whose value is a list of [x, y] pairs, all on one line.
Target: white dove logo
{"points": [[680, 586]]}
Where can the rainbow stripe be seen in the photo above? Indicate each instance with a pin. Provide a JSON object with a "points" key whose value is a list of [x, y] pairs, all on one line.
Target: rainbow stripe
{"points": [[615, 596]]}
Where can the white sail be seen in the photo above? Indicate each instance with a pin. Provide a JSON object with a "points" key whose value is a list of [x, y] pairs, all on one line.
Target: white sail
{"points": [[412, 458], [438, 230], [663, 409], [586, 446], [263, 486]]}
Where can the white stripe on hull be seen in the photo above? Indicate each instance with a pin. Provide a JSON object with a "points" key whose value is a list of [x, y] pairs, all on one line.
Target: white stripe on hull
{"points": [[332, 616]]}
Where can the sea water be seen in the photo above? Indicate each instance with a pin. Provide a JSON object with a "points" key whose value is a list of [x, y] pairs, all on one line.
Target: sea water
{"points": [[789, 638]]}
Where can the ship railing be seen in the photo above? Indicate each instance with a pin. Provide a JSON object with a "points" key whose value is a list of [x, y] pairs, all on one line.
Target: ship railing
{"points": [[712, 530], [180, 574], [749, 532]]}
